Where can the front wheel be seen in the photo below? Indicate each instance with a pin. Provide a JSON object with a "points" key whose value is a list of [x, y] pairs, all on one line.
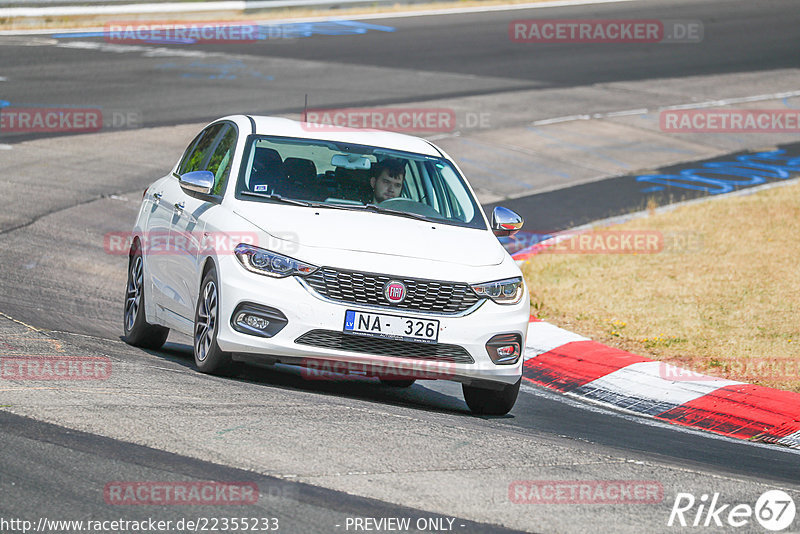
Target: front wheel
{"points": [[138, 332], [484, 401], [207, 355]]}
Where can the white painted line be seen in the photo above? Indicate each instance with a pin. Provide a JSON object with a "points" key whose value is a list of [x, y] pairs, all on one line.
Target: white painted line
{"points": [[792, 440], [438, 137], [147, 51], [6, 147], [693, 105], [556, 120], [645, 380], [729, 101], [544, 337], [640, 111], [3, 78], [238, 5]]}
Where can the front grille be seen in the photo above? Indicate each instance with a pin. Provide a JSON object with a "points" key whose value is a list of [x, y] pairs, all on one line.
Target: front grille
{"points": [[367, 288], [331, 339]]}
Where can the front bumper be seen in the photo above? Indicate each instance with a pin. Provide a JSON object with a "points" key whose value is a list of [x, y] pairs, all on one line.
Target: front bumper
{"points": [[307, 311]]}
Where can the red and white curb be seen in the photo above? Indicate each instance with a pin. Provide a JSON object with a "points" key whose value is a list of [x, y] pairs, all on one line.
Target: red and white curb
{"points": [[575, 365]]}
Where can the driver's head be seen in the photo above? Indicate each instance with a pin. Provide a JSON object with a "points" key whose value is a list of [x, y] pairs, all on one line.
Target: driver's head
{"points": [[387, 179]]}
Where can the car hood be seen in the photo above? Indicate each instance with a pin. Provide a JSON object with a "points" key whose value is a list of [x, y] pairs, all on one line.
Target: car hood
{"points": [[375, 233]]}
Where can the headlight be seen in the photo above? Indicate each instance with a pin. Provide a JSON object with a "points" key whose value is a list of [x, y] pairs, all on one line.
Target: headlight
{"points": [[508, 291], [268, 263]]}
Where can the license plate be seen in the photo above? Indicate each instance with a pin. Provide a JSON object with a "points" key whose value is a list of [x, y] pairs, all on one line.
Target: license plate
{"points": [[391, 326]]}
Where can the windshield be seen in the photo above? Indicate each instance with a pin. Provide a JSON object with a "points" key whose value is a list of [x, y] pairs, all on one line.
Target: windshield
{"points": [[358, 177]]}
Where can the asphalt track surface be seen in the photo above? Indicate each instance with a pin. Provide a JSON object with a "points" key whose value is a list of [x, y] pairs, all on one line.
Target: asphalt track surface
{"points": [[415, 59], [28, 445], [57, 470]]}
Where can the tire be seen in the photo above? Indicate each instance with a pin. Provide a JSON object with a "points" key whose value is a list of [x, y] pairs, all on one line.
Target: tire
{"points": [[138, 332], [491, 401], [207, 355], [398, 383]]}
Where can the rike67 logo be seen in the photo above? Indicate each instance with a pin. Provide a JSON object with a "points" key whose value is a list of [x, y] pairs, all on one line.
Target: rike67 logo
{"points": [[774, 510]]}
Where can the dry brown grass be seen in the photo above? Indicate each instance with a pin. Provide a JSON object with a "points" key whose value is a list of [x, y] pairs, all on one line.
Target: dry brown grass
{"points": [[730, 307]]}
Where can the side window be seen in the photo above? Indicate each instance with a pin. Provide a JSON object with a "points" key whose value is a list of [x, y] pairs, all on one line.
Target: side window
{"points": [[220, 162], [460, 205], [195, 159], [412, 182], [188, 152]]}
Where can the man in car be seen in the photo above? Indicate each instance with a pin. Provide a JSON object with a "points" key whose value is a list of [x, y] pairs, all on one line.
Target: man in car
{"points": [[387, 179]]}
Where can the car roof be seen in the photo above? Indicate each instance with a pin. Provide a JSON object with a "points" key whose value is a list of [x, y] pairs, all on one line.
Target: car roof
{"points": [[280, 126]]}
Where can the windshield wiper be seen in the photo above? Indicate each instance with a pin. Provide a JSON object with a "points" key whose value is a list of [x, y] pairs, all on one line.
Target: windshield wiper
{"points": [[332, 206], [378, 209], [278, 198], [367, 207]]}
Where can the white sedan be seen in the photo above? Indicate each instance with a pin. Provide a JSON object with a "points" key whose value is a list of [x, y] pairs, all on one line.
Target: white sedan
{"points": [[345, 252]]}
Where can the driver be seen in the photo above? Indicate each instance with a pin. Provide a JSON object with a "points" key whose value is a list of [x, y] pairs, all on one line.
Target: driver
{"points": [[387, 179]]}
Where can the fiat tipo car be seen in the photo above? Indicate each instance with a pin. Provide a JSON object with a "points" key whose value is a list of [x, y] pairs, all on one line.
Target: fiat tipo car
{"points": [[340, 251]]}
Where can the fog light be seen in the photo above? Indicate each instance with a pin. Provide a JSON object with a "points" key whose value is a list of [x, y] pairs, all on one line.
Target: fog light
{"points": [[257, 320], [508, 350], [505, 349], [253, 321]]}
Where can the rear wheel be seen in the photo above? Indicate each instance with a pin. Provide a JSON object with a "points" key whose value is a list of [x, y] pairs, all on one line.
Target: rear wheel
{"points": [[484, 401], [207, 355], [138, 332]]}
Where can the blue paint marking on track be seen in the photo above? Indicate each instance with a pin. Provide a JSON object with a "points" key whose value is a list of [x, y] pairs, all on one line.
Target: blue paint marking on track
{"points": [[77, 35], [788, 105], [293, 30], [581, 204], [721, 177]]}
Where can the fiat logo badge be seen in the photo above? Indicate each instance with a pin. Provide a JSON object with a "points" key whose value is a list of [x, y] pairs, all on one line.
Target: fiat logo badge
{"points": [[394, 291]]}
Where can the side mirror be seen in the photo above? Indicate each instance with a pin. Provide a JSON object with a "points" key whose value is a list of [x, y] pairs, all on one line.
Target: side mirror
{"points": [[197, 182], [505, 222]]}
